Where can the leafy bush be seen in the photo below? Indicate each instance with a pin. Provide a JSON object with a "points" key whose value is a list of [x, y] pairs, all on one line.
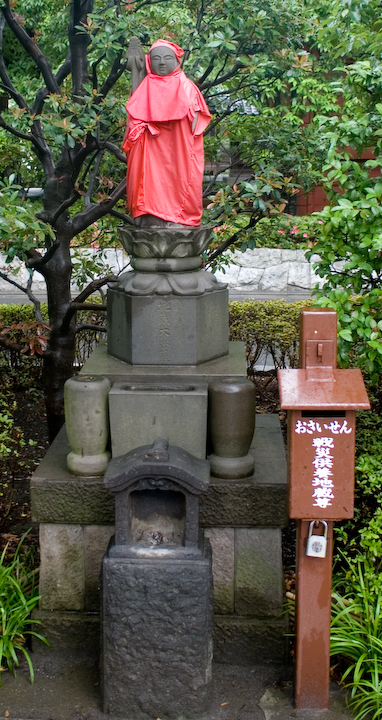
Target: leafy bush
{"points": [[284, 231], [356, 635], [271, 326], [360, 539], [15, 320], [359, 329], [18, 597]]}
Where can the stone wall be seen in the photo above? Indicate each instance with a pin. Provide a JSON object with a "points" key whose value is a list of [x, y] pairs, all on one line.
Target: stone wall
{"points": [[270, 270], [264, 269]]}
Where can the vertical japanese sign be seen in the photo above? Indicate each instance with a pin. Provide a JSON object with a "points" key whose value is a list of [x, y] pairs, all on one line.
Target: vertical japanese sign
{"points": [[321, 466]]}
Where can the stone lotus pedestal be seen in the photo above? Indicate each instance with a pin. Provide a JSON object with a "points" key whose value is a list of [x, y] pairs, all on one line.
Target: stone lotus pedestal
{"points": [[167, 311]]}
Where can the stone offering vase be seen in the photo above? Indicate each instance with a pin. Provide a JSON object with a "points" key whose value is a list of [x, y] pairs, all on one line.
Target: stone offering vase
{"points": [[232, 408], [87, 424]]}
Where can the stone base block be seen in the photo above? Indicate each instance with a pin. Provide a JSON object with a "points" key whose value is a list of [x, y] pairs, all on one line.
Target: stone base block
{"points": [[68, 631], [247, 571], [59, 497], [71, 557], [157, 637], [258, 572], [168, 329], [141, 412], [237, 641], [250, 641]]}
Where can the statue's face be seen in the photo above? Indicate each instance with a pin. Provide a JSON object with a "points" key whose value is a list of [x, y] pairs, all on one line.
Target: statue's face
{"points": [[163, 60]]}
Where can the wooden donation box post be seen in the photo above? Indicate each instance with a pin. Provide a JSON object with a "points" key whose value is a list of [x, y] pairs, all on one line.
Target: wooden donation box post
{"points": [[321, 403]]}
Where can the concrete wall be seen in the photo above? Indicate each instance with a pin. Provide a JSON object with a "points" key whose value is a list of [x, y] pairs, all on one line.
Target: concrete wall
{"points": [[264, 269], [270, 270]]}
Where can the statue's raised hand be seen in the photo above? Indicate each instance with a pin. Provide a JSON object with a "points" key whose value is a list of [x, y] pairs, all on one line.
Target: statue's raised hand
{"points": [[135, 62]]}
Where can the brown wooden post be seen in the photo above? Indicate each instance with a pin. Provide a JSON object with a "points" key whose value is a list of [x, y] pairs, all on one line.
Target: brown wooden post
{"points": [[314, 575], [313, 600]]}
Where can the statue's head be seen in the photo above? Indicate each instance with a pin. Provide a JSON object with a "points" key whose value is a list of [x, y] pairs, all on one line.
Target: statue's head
{"points": [[164, 57], [163, 60]]}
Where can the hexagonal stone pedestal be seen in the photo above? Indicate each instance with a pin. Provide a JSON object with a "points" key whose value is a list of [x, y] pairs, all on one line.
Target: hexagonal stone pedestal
{"points": [[167, 329]]}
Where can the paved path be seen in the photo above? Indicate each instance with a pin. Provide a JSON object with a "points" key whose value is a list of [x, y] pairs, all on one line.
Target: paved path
{"points": [[67, 687]]}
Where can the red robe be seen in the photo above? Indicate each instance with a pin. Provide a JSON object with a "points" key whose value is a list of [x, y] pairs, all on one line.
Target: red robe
{"points": [[165, 157]]}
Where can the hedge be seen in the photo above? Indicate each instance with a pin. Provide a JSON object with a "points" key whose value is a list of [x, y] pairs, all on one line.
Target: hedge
{"points": [[272, 326]]}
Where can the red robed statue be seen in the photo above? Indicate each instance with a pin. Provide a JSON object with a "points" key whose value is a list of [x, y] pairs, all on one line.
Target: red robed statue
{"points": [[167, 115]]}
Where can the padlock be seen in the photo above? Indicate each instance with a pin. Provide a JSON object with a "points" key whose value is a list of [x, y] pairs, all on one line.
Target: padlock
{"points": [[316, 544]]}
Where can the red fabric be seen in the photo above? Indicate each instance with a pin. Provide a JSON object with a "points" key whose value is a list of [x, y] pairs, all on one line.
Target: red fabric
{"points": [[165, 158]]}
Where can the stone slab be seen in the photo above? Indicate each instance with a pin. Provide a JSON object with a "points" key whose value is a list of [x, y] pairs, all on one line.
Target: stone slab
{"points": [[258, 572], [96, 539], [247, 641], [157, 637], [78, 631], [167, 329], [62, 569], [142, 412], [233, 364], [240, 641], [277, 704], [223, 568], [59, 497]]}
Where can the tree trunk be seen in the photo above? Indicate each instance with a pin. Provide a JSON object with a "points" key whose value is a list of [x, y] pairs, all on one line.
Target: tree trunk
{"points": [[58, 364]]}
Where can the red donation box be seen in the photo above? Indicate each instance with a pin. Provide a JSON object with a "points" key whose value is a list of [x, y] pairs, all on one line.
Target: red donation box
{"points": [[321, 403]]}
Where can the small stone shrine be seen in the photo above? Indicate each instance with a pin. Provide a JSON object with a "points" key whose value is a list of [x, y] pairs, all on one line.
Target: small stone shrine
{"points": [[157, 587]]}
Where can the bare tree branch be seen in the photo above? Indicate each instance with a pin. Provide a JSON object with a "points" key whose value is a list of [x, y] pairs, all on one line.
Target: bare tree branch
{"points": [[232, 239], [121, 216], [43, 93], [213, 179], [31, 47], [223, 78], [79, 301], [27, 291], [10, 344], [79, 41], [92, 178], [88, 326], [37, 263], [207, 72], [119, 154], [64, 206], [114, 75], [93, 287], [89, 306], [82, 220], [8, 85], [17, 133]]}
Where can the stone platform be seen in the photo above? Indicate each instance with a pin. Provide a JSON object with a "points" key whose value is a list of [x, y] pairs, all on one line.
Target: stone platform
{"points": [[241, 518]]}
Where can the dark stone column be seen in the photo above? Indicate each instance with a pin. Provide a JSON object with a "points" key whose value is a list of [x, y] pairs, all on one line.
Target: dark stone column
{"points": [[157, 628]]}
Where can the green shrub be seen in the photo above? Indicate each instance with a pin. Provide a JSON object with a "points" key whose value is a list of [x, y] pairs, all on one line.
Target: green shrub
{"points": [[289, 232], [356, 635], [86, 339], [18, 597], [360, 539], [359, 328], [271, 326]]}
